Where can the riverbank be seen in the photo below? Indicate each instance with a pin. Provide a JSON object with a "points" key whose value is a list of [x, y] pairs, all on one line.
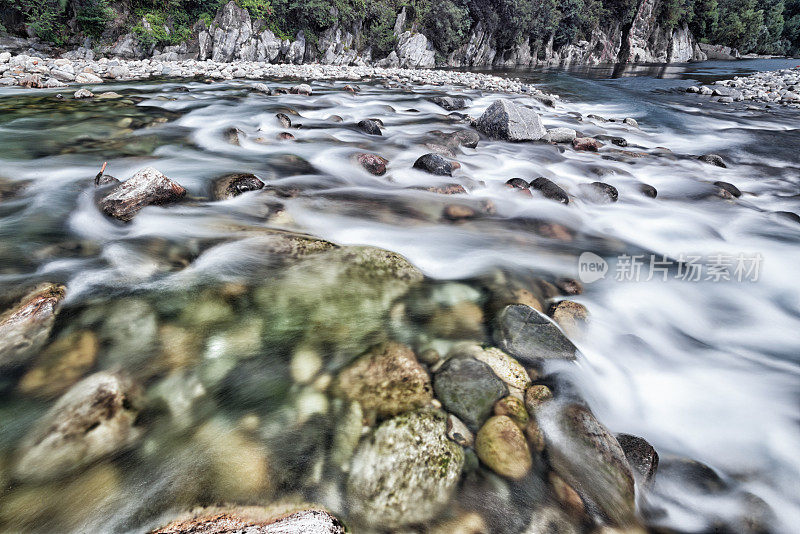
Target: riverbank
{"points": [[51, 73], [773, 87]]}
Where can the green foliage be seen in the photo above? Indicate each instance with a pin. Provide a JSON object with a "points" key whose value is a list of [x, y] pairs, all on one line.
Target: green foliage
{"points": [[445, 22], [765, 26], [92, 16]]}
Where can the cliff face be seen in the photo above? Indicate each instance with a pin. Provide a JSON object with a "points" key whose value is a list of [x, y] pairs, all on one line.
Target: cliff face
{"points": [[233, 35]]}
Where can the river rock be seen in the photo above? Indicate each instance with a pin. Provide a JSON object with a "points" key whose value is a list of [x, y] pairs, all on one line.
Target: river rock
{"points": [[302, 89], [387, 379], [589, 144], [61, 364], [92, 420], [551, 519], [284, 119], [83, 93], [535, 396], [599, 192], [501, 445], [713, 159], [520, 185], [465, 138], [468, 388], [405, 472], [585, 454], [373, 163], [233, 185], [630, 121], [509, 121], [561, 135], [648, 190], [370, 126], [146, 187], [458, 431], [25, 327], [435, 164], [642, 457], [514, 408], [730, 188], [550, 190], [531, 336], [504, 366], [449, 103], [276, 519], [570, 316]]}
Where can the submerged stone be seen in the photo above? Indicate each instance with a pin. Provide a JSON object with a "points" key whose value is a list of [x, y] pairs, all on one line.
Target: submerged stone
{"points": [[233, 185], [405, 472], [585, 454], [92, 420], [387, 379]]}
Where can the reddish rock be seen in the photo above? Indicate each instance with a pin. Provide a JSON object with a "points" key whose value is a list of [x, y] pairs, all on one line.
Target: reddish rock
{"points": [[285, 136], [589, 144], [447, 189], [373, 163]]}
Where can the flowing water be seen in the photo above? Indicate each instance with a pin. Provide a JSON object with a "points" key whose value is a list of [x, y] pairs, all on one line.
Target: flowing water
{"points": [[192, 301]]}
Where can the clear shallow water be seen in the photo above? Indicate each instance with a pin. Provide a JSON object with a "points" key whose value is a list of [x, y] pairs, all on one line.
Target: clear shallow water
{"points": [[702, 370]]}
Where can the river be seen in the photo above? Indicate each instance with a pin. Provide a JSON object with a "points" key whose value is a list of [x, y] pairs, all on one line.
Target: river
{"points": [[705, 369]]}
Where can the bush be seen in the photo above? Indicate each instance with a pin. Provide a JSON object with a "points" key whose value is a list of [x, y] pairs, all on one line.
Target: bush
{"points": [[445, 23]]}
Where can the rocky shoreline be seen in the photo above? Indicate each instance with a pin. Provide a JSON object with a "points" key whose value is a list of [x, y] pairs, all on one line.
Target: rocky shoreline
{"points": [[772, 87], [54, 73]]}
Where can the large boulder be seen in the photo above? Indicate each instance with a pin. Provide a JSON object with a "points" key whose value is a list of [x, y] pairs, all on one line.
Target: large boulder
{"points": [[531, 336], [387, 379], [415, 52], [507, 120], [90, 421], [405, 472], [146, 187], [25, 327]]}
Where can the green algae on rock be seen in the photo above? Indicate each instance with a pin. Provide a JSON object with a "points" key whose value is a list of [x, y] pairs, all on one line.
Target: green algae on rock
{"points": [[405, 472]]}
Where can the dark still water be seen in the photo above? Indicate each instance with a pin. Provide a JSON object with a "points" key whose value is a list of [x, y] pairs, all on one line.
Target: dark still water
{"points": [[224, 331]]}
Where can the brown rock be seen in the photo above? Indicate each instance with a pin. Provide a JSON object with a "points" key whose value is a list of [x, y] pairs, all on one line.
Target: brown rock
{"points": [[146, 187], [501, 445], [285, 136], [570, 316], [457, 212], [279, 519], [586, 143], [447, 189], [535, 396], [387, 379], [567, 495], [373, 163], [463, 320], [60, 365], [90, 421], [24, 328]]}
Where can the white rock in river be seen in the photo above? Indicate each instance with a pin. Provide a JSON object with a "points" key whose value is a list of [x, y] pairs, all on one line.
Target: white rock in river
{"points": [[405, 473], [507, 120]]}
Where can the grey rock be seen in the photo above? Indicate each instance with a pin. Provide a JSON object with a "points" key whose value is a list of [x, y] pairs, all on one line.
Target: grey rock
{"points": [[434, 164], [642, 457], [233, 185], [146, 187], [449, 103], [549, 189], [370, 126], [531, 336], [469, 389], [562, 135], [713, 159], [506, 120], [600, 192]]}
